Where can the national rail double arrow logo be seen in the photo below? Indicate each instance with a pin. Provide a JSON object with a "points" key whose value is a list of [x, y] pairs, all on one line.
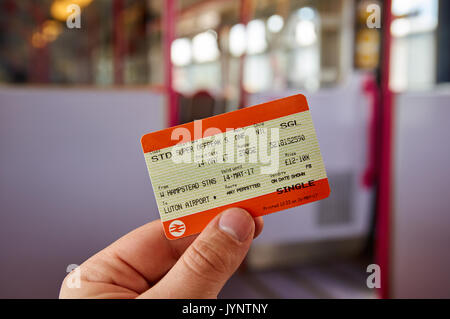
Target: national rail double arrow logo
{"points": [[177, 228]]}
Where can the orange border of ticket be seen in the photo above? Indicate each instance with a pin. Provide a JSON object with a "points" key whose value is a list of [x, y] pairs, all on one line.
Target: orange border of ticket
{"points": [[196, 222], [236, 119]]}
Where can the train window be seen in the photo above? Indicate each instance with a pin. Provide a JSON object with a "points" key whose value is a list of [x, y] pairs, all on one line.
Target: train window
{"points": [[413, 29]]}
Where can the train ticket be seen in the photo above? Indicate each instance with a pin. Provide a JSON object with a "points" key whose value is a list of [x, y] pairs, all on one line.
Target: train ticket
{"points": [[263, 158]]}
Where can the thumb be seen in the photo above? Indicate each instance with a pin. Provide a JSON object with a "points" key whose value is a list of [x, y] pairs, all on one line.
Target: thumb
{"points": [[210, 260]]}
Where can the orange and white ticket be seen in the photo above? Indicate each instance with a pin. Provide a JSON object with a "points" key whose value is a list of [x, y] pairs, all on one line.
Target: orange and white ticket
{"points": [[263, 158]]}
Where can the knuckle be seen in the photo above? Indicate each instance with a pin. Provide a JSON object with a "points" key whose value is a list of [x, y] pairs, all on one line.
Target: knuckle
{"points": [[205, 261]]}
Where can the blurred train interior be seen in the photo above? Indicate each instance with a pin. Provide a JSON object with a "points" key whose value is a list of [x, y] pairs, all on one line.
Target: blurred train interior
{"points": [[79, 89]]}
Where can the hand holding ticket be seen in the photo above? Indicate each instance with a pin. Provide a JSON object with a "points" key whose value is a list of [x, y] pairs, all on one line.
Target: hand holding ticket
{"points": [[263, 158]]}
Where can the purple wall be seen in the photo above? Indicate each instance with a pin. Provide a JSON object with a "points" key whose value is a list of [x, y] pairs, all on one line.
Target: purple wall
{"points": [[420, 220], [72, 179]]}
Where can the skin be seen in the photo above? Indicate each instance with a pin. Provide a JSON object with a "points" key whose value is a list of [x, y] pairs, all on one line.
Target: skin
{"points": [[145, 264]]}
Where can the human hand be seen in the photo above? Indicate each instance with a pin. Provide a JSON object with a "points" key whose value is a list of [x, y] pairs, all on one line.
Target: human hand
{"points": [[145, 264]]}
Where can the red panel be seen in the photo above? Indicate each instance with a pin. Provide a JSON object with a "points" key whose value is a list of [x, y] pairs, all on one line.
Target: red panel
{"points": [[169, 20], [384, 183]]}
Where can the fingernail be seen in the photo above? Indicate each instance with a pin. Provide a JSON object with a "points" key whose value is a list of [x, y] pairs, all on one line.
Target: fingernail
{"points": [[237, 223]]}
